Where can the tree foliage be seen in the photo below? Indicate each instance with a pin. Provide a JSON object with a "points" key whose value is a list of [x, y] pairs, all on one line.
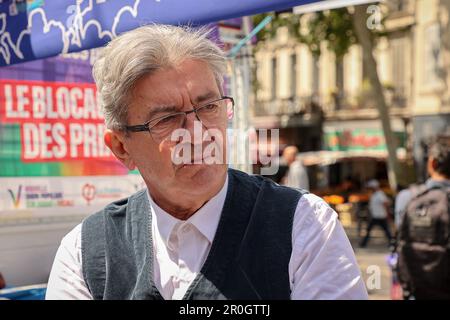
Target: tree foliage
{"points": [[333, 26]]}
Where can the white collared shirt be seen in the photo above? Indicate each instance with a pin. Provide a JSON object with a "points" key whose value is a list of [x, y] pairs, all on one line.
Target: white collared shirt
{"points": [[181, 247], [322, 263]]}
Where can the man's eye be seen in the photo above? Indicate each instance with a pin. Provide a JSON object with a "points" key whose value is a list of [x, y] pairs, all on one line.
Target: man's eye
{"points": [[210, 106], [166, 120]]}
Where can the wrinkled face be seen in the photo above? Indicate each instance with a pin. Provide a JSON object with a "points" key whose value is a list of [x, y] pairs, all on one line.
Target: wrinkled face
{"points": [[161, 94]]}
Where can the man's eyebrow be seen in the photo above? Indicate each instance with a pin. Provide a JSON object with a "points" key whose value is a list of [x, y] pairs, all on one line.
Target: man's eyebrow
{"points": [[169, 109], [160, 109], [207, 96]]}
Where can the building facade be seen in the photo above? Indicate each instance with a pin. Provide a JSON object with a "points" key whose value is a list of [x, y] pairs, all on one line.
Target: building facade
{"points": [[326, 103]]}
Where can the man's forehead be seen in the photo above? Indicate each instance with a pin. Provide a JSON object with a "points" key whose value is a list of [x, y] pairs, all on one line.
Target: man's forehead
{"points": [[178, 98], [187, 72], [165, 86]]}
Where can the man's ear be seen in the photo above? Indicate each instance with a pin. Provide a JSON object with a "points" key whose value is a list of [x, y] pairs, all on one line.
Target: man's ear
{"points": [[431, 165], [114, 140], [434, 164]]}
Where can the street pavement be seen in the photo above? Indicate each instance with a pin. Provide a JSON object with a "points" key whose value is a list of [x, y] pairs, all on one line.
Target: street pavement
{"points": [[372, 262]]}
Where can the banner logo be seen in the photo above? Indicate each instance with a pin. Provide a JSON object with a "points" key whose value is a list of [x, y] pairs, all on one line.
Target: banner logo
{"points": [[16, 197], [88, 192]]}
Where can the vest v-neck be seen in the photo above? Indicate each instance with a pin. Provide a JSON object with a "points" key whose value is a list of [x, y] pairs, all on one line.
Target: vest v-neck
{"points": [[212, 252]]}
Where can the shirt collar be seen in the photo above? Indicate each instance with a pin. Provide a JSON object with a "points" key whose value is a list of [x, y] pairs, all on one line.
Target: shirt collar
{"points": [[162, 220], [206, 219]]}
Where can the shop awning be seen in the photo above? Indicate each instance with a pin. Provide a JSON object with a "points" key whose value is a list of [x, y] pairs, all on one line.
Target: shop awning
{"points": [[38, 29]]}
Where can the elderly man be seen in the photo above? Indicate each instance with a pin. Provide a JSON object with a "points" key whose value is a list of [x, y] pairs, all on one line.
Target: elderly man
{"points": [[199, 230]]}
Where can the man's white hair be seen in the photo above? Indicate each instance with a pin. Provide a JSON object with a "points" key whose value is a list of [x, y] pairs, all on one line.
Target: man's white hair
{"points": [[140, 52]]}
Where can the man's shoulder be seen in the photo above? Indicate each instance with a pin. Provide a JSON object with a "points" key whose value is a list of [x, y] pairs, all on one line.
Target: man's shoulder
{"points": [[72, 238], [315, 207], [380, 195], [298, 164], [314, 220], [405, 193]]}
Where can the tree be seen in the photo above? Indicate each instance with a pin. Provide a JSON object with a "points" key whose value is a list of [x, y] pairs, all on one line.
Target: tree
{"points": [[365, 38], [340, 29]]}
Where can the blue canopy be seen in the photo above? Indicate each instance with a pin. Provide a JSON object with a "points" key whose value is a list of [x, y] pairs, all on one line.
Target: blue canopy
{"points": [[35, 29]]}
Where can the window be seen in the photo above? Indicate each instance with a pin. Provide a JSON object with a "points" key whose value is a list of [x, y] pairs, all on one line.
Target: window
{"points": [[293, 70], [273, 85], [432, 56], [398, 56], [315, 75], [339, 95]]}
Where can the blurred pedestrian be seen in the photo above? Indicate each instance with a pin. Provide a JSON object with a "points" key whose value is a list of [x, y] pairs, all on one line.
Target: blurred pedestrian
{"points": [[280, 163], [348, 187], [2, 281], [424, 227], [379, 205], [296, 176], [436, 154]]}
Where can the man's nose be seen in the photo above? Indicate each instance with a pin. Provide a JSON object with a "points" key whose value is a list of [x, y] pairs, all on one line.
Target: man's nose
{"points": [[192, 122]]}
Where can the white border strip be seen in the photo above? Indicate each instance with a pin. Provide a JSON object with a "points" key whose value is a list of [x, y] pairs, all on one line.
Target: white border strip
{"points": [[328, 4]]}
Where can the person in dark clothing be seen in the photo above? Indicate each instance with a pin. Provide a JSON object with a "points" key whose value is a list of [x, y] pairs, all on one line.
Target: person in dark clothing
{"points": [[423, 215], [379, 208], [2, 281]]}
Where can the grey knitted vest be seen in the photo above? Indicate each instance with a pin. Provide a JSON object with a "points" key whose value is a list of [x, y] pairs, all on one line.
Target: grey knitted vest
{"points": [[248, 258]]}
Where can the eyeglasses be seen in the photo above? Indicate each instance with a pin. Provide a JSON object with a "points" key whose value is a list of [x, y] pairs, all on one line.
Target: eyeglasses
{"points": [[209, 114]]}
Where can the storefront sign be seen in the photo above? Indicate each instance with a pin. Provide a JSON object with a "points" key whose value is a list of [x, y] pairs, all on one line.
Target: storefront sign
{"points": [[358, 139]]}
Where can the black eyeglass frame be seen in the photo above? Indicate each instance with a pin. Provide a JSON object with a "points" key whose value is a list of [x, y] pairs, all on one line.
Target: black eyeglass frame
{"points": [[146, 126]]}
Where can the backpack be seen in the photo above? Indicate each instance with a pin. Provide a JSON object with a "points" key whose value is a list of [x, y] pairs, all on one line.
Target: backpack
{"points": [[423, 245]]}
